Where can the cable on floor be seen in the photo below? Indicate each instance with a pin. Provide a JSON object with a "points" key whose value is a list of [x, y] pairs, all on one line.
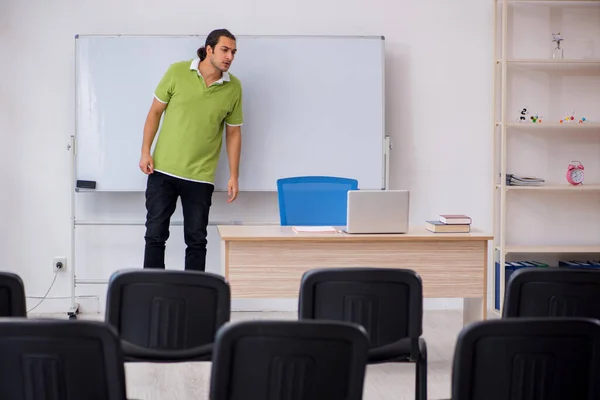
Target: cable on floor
{"points": [[46, 295]]}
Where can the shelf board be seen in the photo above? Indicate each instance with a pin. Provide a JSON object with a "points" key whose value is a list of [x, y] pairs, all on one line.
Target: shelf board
{"points": [[561, 188], [550, 249], [550, 61], [550, 65], [568, 3], [553, 2], [587, 126]]}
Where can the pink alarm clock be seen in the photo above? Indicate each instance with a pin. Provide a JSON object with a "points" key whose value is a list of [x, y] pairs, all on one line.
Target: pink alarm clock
{"points": [[575, 173]]}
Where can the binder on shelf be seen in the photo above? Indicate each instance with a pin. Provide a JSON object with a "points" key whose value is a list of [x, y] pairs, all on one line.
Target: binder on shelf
{"points": [[590, 264], [509, 268], [516, 180]]}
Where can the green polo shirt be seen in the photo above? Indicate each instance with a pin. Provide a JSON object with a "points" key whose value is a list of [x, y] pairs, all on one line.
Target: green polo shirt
{"points": [[190, 138]]}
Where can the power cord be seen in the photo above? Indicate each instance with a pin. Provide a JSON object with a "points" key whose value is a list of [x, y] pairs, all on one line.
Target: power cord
{"points": [[46, 295]]}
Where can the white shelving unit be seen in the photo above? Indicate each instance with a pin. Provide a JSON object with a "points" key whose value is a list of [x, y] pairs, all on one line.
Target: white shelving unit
{"points": [[555, 221]]}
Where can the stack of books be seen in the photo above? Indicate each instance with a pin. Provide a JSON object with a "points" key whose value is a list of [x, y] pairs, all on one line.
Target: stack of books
{"points": [[515, 180], [450, 223]]}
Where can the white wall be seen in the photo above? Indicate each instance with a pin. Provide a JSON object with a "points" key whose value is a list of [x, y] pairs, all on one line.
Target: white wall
{"points": [[438, 101]]}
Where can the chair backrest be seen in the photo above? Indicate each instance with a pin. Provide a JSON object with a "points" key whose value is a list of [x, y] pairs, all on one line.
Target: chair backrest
{"points": [[314, 200], [528, 358], [12, 295], [387, 302], [289, 360], [53, 359], [553, 292], [167, 309]]}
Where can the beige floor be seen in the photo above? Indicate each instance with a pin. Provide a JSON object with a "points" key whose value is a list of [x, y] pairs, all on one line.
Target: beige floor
{"points": [[392, 381]]}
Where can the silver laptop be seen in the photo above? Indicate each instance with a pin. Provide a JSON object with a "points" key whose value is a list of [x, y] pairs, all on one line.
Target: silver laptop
{"points": [[377, 211]]}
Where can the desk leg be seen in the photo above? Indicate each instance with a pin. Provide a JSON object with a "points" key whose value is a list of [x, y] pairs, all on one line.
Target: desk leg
{"points": [[476, 309], [473, 310]]}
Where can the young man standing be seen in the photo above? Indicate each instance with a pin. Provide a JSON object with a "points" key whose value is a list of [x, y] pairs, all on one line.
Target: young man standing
{"points": [[198, 97]]}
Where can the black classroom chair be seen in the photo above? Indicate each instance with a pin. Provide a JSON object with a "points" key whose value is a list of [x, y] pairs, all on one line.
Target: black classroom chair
{"points": [[387, 302], [12, 295], [528, 358], [53, 359], [284, 360], [167, 315], [552, 292]]}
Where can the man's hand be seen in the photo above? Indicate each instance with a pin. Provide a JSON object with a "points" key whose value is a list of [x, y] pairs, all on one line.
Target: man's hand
{"points": [[147, 164], [232, 189]]}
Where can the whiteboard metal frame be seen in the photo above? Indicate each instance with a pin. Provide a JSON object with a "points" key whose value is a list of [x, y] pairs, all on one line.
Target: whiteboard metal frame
{"points": [[72, 147]]}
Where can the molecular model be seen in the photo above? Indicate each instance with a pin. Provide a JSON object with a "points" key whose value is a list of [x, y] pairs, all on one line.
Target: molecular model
{"points": [[571, 118]]}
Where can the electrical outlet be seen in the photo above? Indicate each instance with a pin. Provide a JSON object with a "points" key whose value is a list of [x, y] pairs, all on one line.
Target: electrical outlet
{"points": [[59, 264]]}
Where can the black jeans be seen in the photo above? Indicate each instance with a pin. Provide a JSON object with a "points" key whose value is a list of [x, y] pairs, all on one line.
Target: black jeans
{"points": [[162, 192]]}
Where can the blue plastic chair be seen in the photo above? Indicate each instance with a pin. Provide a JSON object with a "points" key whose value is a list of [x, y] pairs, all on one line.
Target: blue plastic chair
{"points": [[314, 200]]}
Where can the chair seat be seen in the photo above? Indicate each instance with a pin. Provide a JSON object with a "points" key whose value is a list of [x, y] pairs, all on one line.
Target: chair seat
{"points": [[135, 353], [396, 351], [399, 351]]}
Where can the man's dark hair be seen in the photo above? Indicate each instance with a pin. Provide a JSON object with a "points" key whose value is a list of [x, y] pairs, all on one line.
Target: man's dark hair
{"points": [[212, 40]]}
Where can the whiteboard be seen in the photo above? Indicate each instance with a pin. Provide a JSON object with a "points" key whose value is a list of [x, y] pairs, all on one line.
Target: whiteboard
{"points": [[312, 106]]}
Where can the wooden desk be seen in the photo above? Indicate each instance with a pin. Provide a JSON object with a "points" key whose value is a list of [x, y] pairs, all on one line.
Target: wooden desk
{"points": [[262, 262]]}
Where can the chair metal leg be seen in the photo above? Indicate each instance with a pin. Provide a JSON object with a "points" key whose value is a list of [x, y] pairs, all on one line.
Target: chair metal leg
{"points": [[421, 372]]}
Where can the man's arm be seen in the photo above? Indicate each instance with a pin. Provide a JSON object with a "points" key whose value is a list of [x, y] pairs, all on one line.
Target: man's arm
{"points": [[234, 149], [150, 129]]}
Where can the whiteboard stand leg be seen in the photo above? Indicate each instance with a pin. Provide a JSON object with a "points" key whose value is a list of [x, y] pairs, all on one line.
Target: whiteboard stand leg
{"points": [[74, 308], [73, 311]]}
